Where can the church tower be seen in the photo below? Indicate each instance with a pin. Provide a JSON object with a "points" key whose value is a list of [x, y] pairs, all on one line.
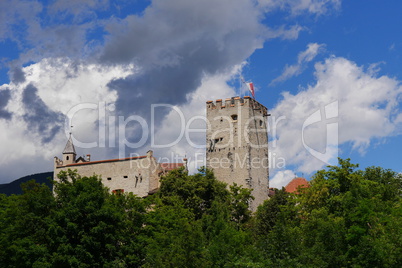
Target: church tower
{"points": [[237, 144], [69, 153]]}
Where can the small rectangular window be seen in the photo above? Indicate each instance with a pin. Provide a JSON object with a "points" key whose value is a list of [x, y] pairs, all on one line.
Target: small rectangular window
{"points": [[118, 191], [109, 179], [125, 177]]}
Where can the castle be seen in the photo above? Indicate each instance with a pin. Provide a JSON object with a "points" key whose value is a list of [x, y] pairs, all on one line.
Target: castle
{"points": [[237, 144], [139, 175], [237, 152]]}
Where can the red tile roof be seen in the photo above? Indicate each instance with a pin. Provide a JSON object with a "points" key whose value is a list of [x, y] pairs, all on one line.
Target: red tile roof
{"points": [[271, 192], [171, 166], [105, 161], [294, 184]]}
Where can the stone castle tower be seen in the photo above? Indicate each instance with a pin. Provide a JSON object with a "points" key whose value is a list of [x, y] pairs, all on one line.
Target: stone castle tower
{"points": [[237, 144]]}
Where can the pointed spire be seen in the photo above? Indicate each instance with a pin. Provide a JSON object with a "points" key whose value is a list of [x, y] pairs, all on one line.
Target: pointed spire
{"points": [[69, 149]]}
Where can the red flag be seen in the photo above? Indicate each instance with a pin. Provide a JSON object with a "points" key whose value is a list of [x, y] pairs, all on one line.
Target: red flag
{"points": [[251, 88]]}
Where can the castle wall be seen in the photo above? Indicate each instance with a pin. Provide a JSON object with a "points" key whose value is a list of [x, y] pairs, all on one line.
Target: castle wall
{"points": [[138, 175], [237, 144]]}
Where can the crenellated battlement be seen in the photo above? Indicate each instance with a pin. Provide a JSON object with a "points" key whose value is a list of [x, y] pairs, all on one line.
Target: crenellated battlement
{"points": [[229, 102], [236, 102]]}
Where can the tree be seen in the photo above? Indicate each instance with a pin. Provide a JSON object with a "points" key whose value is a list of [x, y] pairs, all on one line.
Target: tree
{"points": [[93, 228], [24, 221], [197, 222], [277, 230], [348, 217], [195, 192]]}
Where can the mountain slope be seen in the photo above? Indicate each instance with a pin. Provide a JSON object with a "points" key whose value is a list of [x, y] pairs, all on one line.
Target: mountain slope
{"points": [[14, 187]]}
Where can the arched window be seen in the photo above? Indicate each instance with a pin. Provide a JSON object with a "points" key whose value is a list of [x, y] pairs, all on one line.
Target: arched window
{"points": [[234, 117], [67, 157]]}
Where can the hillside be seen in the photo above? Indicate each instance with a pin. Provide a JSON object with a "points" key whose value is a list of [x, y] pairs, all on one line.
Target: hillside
{"points": [[15, 188]]}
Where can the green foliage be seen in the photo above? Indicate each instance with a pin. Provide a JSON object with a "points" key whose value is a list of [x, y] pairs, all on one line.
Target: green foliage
{"points": [[175, 238], [197, 222], [346, 218], [82, 225], [195, 192], [24, 222], [91, 227]]}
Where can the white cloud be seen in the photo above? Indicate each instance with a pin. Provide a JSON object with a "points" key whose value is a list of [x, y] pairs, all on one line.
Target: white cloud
{"points": [[296, 7], [318, 7], [284, 32], [313, 49], [192, 144], [17, 12], [79, 8], [281, 179], [61, 84], [368, 110]]}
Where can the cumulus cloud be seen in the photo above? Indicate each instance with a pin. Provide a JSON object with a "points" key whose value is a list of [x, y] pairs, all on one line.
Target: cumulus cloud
{"points": [[296, 7], [14, 14], [182, 132], [166, 54], [17, 75], [81, 9], [313, 49], [281, 179], [284, 32], [36, 110], [76, 83], [40, 31], [362, 105], [318, 7], [38, 116], [5, 96], [176, 43]]}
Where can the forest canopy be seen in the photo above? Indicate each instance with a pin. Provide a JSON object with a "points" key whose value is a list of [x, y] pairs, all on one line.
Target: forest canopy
{"points": [[348, 217]]}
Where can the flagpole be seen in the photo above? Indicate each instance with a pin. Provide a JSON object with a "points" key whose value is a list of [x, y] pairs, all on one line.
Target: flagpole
{"points": [[240, 91], [242, 83], [240, 86]]}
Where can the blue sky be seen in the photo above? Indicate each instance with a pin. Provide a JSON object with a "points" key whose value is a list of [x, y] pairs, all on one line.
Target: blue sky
{"points": [[123, 56]]}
